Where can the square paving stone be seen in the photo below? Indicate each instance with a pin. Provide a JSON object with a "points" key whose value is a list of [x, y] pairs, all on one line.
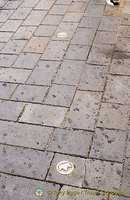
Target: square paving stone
{"points": [[77, 7], [5, 36], [123, 44], [5, 14], [30, 93], [36, 45], [117, 90], [77, 52], [44, 115], [113, 116], [44, 4], [20, 13], [93, 78], [75, 178], [43, 73], [124, 31], [100, 54], [11, 5], [120, 63], [104, 37], [7, 60], [69, 72], [72, 17], [35, 17], [125, 20], [102, 175], [94, 10], [66, 27], [13, 46], [10, 110], [25, 188], [58, 9], [52, 19], [60, 95], [126, 178], [25, 162], [45, 30], [116, 11], [69, 142], [89, 22], [108, 145], [6, 89], [14, 75], [83, 110], [24, 135], [26, 60], [29, 3], [97, 2], [55, 50], [11, 25], [109, 23], [24, 33], [63, 2]]}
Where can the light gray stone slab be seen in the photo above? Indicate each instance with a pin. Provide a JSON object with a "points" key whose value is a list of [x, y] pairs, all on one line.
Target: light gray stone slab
{"points": [[108, 145], [45, 30], [5, 36], [7, 60], [124, 31], [70, 142], [94, 10], [25, 162], [29, 3], [78, 7], [44, 115], [11, 25], [13, 46], [6, 89], [2, 45], [83, 110], [105, 37], [24, 135], [72, 17], [109, 23], [89, 22], [20, 13], [58, 9], [63, 2], [11, 5], [52, 19], [113, 116], [123, 44], [44, 4], [24, 33], [5, 14], [126, 178]]}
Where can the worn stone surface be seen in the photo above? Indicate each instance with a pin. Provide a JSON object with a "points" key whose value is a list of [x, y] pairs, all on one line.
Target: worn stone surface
{"points": [[69, 142], [83, 111], [11, 25], [24, 33], [113, 197], [5, 36], [58, 9], [14, 46], [116, 11], [113, 116], [7, 60], [45, 30], [44, 4], [94, 10], [128, 145], [6, 89], [124, 31], [4, 15], [72, 17], [103, 37], [108, 145], [89, 22], [52, 19], [20, 13], [29, 3], [123, 44], [126, 178], [77, 7], [24, 135], [109, 23]]}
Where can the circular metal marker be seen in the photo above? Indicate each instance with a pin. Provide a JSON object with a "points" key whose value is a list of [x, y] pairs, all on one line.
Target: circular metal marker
{"points": [[62, 34], [65, 167]]}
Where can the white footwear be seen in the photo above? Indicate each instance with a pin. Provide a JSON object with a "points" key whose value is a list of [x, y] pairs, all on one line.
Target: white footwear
{"points": [[109, 2]]}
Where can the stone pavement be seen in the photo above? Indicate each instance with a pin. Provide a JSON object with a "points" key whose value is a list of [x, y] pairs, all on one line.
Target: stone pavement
{"points": [[64, 72]]}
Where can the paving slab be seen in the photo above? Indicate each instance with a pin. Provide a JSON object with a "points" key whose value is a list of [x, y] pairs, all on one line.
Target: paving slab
{"points": [[58, 10], [20, 13], [45, 30], [77, 7], [5, 36], [126, 178], [7, 60], [69, 142], [109, 23], [24, 33], [24, 135], [113, 197], [25, 162], [44, 4], [123, 44], [95, 10], [83, 110], [52, 19], [128, 144], [2, 44], [115, 11], [11, 25], [63, 2], [72, 17], [6, 89], [105, 37], [11, 5], [5, 14], [89, 22], [124, 31], [13, 187], [29, 3]]}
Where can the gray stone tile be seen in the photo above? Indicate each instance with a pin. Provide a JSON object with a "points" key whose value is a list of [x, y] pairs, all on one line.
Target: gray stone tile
{"points": [[113, 116], [77, 52], [11, 5], [113, 197], [66, 27], [24, 33], [124, 31], [2, 45], [105, 37], [69, 72], [45, 30], [24, 135], [60, 95], [30, 93], [13, 46], [7, 60], [10, 110], [5, 14], [77, 7], [36, 45], [29, 3], [109, 23], [44, 115], [108, 145], [34, 18], [55, 50], [117, 90], [6, 89], [93, 78], [126, 20], [69, 142], [14, 75], [128, 145], [83, 36], [58, 9], [44, 4], [11, 25], [97, 2], [120, 63], [43, 73], [72, 17], [123, 44], [94, 10], [102, 175], [83, 110], [52, 19], [100, 54], [89, 22], [20, 13], [5, 36], [63, 2], [25, 162], [75, 178], [25, 188], [26, 60], [126, 178]]}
